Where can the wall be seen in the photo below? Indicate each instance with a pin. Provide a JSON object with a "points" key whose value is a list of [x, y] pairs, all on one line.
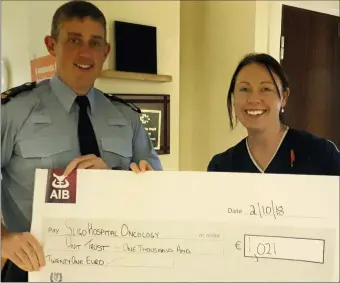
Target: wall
{"points": [[192, 96], [215, 35], [24, 29], [231, 35], [14, 41], [262, 16]]}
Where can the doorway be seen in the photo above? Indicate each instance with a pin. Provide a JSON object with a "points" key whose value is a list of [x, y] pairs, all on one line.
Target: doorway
{"points": [[310, 56]]}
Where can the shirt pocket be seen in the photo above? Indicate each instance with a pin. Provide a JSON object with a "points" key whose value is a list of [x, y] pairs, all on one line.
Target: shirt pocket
{"points": [[49, 152], [117, 151]]}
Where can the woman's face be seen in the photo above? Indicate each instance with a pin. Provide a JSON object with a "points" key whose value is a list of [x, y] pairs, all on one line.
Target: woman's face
{"points": [[256, 101]]}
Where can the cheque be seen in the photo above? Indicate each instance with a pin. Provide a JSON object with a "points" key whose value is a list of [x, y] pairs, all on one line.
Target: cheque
{"points": [[105, 226]]}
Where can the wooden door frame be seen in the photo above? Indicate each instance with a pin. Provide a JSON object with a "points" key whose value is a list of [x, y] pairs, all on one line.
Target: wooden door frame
{"points": [[275, 20]]}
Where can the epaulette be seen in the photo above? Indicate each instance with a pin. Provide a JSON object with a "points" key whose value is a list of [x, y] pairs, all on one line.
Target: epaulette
{"points": [[13, 92], [113, 97]]}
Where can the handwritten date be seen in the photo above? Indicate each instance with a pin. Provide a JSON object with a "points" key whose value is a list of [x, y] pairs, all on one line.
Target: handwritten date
{"points": [[271, 209]]}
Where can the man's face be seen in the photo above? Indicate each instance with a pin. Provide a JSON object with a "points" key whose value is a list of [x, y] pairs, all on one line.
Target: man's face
{"points": [[80, 52]]}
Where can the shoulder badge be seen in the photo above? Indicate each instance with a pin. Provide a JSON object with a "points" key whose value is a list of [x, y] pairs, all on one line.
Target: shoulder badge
{"points": [[113, 97], [8, 94]]}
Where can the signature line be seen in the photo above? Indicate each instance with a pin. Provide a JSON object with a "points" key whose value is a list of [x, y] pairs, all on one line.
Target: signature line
{"points": [[114, 260]]}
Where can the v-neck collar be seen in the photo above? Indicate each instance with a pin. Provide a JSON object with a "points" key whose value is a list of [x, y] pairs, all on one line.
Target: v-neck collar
{"points": [[275, 153], [66, 95]]}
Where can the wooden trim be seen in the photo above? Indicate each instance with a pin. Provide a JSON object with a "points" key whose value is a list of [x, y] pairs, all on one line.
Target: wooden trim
{"points": [[112, 74]]}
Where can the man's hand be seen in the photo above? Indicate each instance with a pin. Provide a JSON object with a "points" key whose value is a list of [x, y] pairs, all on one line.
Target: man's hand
{"points": [[89, 161], [23, 250], [141, 167]]}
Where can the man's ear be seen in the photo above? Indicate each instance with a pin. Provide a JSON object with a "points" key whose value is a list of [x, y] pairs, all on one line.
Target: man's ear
{"points": [[50, 44], [107, 50], [285, 96]]}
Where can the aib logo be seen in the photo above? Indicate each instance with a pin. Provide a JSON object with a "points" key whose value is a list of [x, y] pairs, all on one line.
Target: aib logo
{"points": [[61, 189]]}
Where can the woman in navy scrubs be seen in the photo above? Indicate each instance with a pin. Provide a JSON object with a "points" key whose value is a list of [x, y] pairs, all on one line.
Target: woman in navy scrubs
{"points": [[258, 92]]}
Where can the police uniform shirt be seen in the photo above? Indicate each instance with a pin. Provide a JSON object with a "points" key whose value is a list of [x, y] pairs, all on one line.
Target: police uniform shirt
{"points": [[299, 153], [39, 130]]}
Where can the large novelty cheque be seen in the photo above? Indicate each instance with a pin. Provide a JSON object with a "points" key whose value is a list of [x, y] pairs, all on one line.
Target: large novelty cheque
{"points": [[102, 225]]}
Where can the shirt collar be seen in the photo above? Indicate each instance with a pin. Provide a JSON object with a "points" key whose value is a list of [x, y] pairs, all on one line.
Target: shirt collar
{"points": [[66, 95]]}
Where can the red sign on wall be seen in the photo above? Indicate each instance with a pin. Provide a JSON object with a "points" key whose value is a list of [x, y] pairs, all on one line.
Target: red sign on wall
{"points": [[43, 68]]}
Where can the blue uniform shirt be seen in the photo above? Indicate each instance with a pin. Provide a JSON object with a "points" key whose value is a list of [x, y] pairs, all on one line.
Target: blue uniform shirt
{"points": [[39, 130]]}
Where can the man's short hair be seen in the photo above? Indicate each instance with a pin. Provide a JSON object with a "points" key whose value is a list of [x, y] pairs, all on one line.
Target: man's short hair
{"points": [[76, 9]]}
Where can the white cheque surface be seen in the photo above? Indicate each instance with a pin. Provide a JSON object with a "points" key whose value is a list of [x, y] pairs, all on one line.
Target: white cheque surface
{"points": [[186, 226]]}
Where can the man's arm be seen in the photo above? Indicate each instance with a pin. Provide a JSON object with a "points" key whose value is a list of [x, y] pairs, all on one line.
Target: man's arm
{"points": [[7, 141], [143, 148], [3, 259], [7, 137], [20, 248], [3, 233]]}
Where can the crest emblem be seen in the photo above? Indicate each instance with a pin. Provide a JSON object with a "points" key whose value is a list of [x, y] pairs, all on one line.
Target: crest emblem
{"points": [[56, 277]]}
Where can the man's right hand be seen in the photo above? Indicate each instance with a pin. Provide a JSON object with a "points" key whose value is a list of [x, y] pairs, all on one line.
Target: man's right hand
{"points": [[23, 250]]}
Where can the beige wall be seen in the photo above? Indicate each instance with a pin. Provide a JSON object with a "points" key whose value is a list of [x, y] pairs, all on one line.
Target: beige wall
{"points": [[192, 99], [214, 37], [14, 41], [23, 30]]}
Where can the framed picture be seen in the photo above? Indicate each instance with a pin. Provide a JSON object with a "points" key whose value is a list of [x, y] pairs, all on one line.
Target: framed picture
{"points": [[155, 117]]}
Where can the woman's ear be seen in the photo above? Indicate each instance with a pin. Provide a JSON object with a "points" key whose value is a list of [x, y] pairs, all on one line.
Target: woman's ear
{"points": [[285, 96]]}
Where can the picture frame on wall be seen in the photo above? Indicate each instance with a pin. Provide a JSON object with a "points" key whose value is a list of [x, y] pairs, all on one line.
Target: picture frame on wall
{"points": [[155, 117]]}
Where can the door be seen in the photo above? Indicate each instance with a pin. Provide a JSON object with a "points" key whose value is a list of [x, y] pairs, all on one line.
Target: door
{"points": [[311, 59]]}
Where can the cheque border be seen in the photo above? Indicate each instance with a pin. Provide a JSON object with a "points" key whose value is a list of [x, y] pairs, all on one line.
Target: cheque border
{"points": [[284, 237]]}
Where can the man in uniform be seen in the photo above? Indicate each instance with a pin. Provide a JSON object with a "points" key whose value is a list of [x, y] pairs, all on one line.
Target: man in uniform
{"points": [[63, 122]]}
